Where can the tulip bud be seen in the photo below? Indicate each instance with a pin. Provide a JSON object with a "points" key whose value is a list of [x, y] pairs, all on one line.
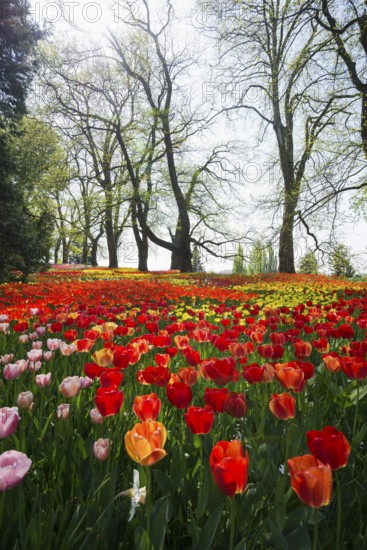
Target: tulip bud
{"points": [[25, 400], [63, 411], [96, 416], [101, 448]]}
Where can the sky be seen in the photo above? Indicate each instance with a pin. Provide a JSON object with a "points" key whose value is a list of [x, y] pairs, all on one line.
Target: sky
{"points": [[93, 18]]}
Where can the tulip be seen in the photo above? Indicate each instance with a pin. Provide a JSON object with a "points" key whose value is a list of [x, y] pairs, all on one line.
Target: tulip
{"points": [[111, 378], [215, 397], [35, 355], [103, 357], [188, 375], [330, 446], [159, 376], [179, 394], [145, 442], [109, 400], [283, 406], [235, 404], [43, 380], [96, 416], [9, 419], [311, 480], [25, 400], [162, 359], [67, 349], [354, 367], [12, 371], [34, 367], [63, 411], [138, 494], [13, 467], [38, 344], [101, 448], [200, 419], [147, 407], [70, 386], [7, 358], [229, 467], [291, 377], [302, 349], [23, 338]]}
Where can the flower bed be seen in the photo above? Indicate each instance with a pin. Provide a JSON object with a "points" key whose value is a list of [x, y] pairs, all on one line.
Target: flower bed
{"points": [[172, 411]]}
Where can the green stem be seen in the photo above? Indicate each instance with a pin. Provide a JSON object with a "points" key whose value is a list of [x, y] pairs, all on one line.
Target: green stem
{"points": [[233, 522], [149, 498], [339, 518], [356, 412], [315, 531]]}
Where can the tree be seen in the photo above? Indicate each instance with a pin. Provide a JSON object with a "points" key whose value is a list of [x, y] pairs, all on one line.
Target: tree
{"points": [[340, 262], [275, 50], [238, 262], [308, 263], [350, 37], [21, 242], [197, 265]]}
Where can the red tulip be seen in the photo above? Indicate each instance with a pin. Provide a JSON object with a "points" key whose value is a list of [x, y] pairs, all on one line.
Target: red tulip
{"points": [[179, 394], [188, 375], [311, 480], [199, 419], [216, 397], [147, 407], [111, 377], [229, 467], [235, 404], [158, 376], [221, 371], [290, 376], [302, 349], [332, 361], [354, 367], [283, 406], [109, 400], [330, 446]]}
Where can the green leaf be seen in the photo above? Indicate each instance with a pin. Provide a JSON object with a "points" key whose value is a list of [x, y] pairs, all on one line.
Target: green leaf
{"points": [[141, 539], [161, 515], [300, 539], [210, 528], [241, 545]]}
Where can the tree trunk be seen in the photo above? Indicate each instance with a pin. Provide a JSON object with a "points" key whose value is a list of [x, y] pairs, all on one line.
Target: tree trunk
{"points": [[111, 243], [364, 123], [143, 247], [94, 253], [286, 244], [56, 252], [65, 251]]}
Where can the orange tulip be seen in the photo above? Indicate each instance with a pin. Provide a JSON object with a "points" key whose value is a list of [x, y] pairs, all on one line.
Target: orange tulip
{"points": [[311, 480], [145, 442]]}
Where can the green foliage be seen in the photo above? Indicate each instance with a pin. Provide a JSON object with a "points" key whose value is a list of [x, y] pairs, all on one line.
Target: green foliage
{"points": [[262, 258], [340, 262], [238, 262], [308, 263]]}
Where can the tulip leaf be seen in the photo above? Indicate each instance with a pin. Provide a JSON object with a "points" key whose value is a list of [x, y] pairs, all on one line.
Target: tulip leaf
{"points": [[359, 437], [300, 539], [207, 534], [161, 514], [163, 481], [141, 539], [241, 545]]}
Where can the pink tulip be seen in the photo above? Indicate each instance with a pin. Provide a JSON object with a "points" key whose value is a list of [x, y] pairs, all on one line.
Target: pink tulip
{"points": [[34, 367], [7, 358], [85, 382], [3, 318], [43, 380], [4, 327], [34, 311], [38, 344], [47, 356], [25, 400], [63, 411], [23, 338], [101, 448], [33, 335], [53, 344], [23, 363], [35, 355], [67, 349], [12, 371], [13, 467], [9, 418], [70, 386], [41, 331], [96, 416]]}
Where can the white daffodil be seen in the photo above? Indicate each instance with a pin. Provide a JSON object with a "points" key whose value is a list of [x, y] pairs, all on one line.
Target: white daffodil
{"points": [[137, 494]]}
